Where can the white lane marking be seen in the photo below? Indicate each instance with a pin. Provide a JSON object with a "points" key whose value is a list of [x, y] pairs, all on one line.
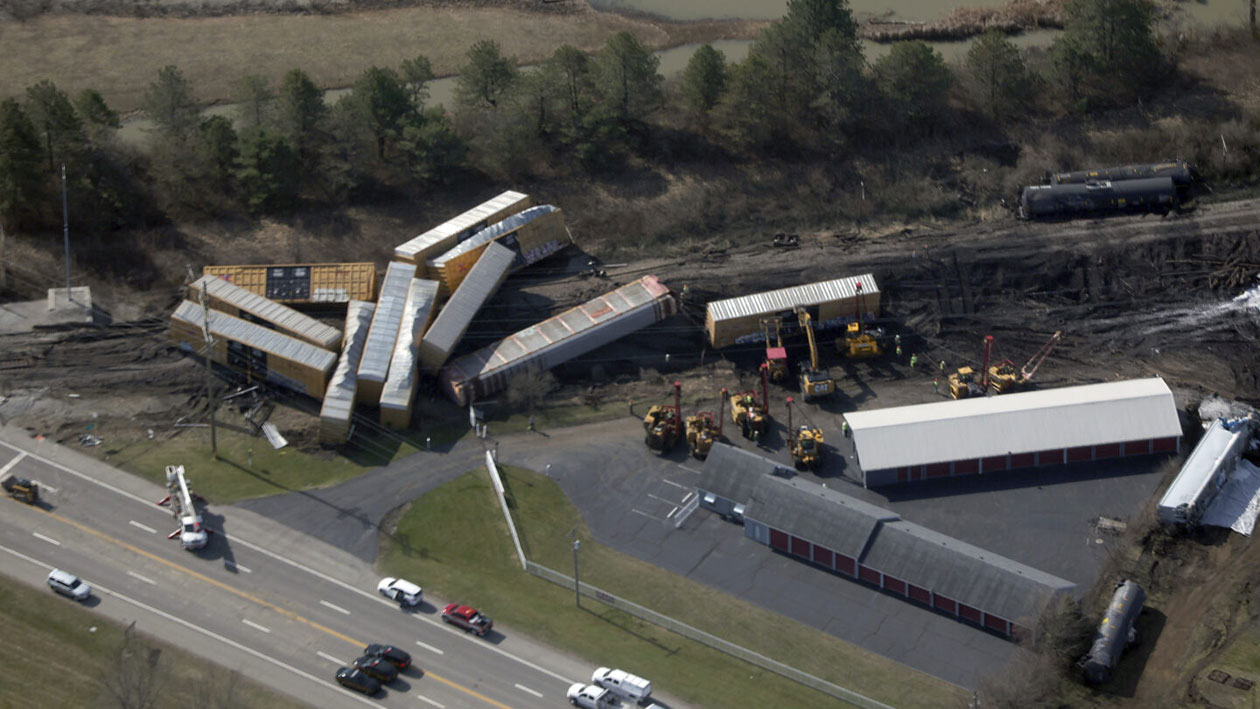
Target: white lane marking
{"points": [[318, 574], [430, 702], [688, 497], [642, 513], [654, 497], [671, 513], [330, 658], [430, 648], [339, 609], [50, 540], [256, 626], [145, 527], [690, 470], [238, 567], [9, 465], [45, 486], [145, 579], [208, 633], [671, 482], [523, 688]]}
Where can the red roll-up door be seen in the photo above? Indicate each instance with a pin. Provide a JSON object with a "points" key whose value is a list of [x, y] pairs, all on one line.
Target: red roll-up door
{"points": [[895, 585], [824, 556], [845, 564], [1080, 454], [1137, 447], [779, 540], [1050, 457], [1022, 460], [937, 470], [967, 467], [868, 575], [1165, 445], [966, 612], [993, 622], [1106, 450], [800, 547], [997, 462], [945, 604], [922, 595]]}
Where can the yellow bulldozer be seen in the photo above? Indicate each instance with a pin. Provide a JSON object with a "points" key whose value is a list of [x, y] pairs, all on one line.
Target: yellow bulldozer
{"points": [[750, 414], [816, 382], [776, 353], [858, 342], [704, 429], [663, 423], [21, 489], [805, 443], [962, 384]]}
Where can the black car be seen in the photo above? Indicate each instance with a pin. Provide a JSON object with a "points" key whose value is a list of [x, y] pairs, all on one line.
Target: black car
{"points": [[396, 656], [377, 667], [357, 680]]}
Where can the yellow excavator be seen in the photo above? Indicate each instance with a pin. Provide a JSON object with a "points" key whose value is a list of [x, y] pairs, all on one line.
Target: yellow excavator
{"points": [[858, 343], [816, 382], [776, 353], [703, 429], [805, 442], [752, 416], [663, 423]]}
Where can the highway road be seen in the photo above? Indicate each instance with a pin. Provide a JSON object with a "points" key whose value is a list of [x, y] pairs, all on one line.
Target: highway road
{"points": [[277, 605]]}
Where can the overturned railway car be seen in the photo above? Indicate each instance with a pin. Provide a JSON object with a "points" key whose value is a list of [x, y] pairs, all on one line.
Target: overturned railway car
{"points": [[1115, 633], [1179, 171], [1099, 198]]}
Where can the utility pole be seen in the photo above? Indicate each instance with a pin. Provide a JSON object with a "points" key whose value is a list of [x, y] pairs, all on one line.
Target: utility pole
{"points": [[205, 332], [577, 585], [65, 227], [3, 277]]}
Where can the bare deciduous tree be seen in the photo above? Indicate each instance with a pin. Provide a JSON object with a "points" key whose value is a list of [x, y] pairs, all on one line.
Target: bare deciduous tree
{"points": [[131, 681]]}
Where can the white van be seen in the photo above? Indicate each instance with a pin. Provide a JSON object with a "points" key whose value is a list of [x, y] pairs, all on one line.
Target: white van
{"points": [[623, 684], [67, 584]]}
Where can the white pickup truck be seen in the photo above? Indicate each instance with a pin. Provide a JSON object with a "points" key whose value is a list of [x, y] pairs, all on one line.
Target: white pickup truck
{"points": [[623, 684], [590, 696]]}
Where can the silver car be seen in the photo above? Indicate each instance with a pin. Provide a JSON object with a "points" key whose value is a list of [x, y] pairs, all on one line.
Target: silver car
{"points": [[67, 584]]}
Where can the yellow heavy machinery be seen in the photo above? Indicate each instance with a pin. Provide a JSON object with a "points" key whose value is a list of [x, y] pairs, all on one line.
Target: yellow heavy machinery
{"points": [[805, 442], [752, 416], [663, 424], [21, 489], [776, 353], [1004, 377], [962, 383], [816, 382], [858, 343], [703, 429]]}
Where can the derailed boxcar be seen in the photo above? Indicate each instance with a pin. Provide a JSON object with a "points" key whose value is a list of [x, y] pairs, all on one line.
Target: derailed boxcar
{"points": [[1179, 171], [1156, 194], [1115, 633]]}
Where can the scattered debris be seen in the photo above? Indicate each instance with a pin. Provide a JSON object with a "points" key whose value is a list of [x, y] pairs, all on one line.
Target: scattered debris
{"points": [[1218, 676], [87, 440], [273, 436], [1113, 526], [1242, 683]]}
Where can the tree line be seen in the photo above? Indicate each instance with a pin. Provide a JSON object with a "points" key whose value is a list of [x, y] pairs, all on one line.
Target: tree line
{"points": [[805, 88]]}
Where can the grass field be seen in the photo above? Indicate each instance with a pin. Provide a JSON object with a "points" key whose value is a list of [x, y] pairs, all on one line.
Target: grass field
{"points": [[57, 653], [470, 558], [120, 56]]}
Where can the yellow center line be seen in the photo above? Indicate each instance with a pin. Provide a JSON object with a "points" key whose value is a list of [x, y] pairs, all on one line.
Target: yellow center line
{"points": [[254, 599]]}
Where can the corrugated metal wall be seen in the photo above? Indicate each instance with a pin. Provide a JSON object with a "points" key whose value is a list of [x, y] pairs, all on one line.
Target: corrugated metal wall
{"points": [[239, 302], [481, 284], [400, 387], [379, 348], [338, 407], [831, 304], [303, 283]]}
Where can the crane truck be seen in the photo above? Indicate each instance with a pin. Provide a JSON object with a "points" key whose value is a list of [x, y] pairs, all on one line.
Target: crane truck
{"points": [[859, 343], [703, 429], [776, 353], [1004, 377], [663, 424], [750, 414], [805, 442], [191, 531], [816, 382]]}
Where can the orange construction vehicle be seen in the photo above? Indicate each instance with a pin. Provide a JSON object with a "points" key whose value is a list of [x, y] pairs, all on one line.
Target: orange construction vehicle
{"points": [[663, 424], [704, 429], [752, 416]]}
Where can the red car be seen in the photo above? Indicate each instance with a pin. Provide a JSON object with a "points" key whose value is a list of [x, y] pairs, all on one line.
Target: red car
{"points": [[467, 618]]}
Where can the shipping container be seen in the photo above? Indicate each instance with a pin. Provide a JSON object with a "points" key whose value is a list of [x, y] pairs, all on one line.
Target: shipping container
{"points": [[338, 406], [400, 387], [830, 304], [481, 284], [257, 352], [445, 236], [532, 236], [303, 283], [379, 348], [559, 339], [241, 303]]}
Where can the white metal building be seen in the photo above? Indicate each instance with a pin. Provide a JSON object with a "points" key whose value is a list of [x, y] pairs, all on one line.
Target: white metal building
{"points": [[988, 434], [336, 411], [379, 348]]}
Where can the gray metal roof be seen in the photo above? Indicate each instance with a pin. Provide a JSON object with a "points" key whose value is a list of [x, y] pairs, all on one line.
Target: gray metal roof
{"points": [[379, 348], [732, 472], [458, 224], [777, 301], [339, 397], [555, 339], [400, 386], [968, 574], [282, 316], [483, 279], [250, 334], [810, 511], [981, 427], [492, 232]]}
